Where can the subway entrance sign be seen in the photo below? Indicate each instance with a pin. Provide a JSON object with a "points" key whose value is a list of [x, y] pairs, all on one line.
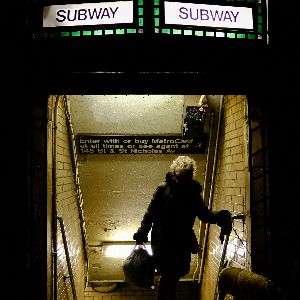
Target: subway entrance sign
{"points": [[83, 44], [104, 13], [206, 15], [222, 19]]}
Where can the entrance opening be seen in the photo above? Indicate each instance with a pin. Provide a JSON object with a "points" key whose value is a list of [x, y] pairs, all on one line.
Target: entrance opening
{"points": [[109, 153]]}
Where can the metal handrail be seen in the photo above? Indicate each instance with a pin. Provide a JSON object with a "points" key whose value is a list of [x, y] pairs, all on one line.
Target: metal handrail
{"points": [[63, 232], [221, 265]]}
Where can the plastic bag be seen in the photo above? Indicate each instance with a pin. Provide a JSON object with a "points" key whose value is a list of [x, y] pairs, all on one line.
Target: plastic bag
{"points": [[138, 267]]}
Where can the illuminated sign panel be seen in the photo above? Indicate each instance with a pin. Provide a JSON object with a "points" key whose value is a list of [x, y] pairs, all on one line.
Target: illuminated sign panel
{"points": [[112, 144], [190, 14], [228, 19], [103, 13]]}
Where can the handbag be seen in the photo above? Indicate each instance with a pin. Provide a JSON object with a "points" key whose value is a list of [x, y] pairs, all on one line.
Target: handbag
{"points": [[138, 267]]}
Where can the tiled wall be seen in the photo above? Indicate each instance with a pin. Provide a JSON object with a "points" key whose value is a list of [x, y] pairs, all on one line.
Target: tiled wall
{"points": [[67, 210], [230, 192]]}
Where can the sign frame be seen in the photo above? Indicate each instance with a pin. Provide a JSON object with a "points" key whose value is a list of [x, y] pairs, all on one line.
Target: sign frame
{"points": [[89, 14], [208, 15]]}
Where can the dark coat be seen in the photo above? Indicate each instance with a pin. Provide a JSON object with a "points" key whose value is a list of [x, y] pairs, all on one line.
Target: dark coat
{"points": [[170, 216]]}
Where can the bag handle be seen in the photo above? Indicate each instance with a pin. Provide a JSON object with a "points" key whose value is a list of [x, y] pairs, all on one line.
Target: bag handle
{"points": [[139, 246]]}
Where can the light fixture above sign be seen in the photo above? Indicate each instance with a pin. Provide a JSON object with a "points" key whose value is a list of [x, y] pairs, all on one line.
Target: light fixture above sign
{"points": [[104, 13], [206, 15]]}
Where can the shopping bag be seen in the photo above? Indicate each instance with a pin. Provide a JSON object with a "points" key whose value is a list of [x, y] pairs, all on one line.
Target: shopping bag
{"points": [[138, 267]]}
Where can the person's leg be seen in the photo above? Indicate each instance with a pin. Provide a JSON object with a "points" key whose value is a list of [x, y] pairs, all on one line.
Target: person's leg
{"points": [[167, 287]]}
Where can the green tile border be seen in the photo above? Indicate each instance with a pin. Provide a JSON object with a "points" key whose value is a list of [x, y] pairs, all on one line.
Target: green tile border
{"points": [[256, 34]]}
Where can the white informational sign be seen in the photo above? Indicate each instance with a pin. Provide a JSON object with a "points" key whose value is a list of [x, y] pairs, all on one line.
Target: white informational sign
{"points": [[190, 14], [103, 13]]}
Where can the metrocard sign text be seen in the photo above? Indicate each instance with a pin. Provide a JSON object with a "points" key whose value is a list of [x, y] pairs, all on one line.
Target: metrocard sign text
{"points": [[118, 12], [190, 14]]}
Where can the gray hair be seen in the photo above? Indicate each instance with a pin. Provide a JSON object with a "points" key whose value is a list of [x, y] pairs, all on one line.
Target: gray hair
{"points": [[183, 164]]}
